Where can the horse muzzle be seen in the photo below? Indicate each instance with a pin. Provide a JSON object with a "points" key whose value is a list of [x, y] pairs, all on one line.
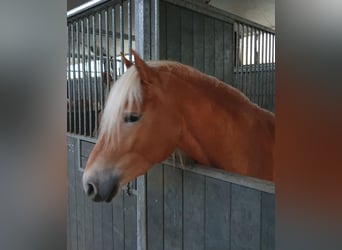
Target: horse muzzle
{"points": [[100, 186]]}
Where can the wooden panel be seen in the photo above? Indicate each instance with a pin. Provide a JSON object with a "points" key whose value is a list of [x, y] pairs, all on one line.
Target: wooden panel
{"points": [[267, 222], [86, 148], [217, 214], [245, 218], [228, 53], [219, 49], [88, 224], [130, 221], [80, 210], [209, 46], [118, 221], [186, 37], [173, 32], [107, 227], [97, 225], [155, 225], [162, 30], [72, 204], [193, 214], [172, 208], [198, 39]]}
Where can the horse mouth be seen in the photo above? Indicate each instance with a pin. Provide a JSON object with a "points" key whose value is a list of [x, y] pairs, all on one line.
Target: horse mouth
{"points": [[112, 194]]}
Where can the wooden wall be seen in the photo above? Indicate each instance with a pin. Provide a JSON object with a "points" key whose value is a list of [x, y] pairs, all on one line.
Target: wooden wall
{"points": [[196, 39], [93, 226]]}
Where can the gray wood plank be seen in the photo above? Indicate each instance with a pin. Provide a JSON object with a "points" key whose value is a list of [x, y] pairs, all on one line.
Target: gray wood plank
{"points": [[198, 40], [267, 221], [186, 37], [83, 162], [88, 224], [86, 148], [193, 211], [209, 46], [217, 214], [97, 226], [228, 46], [72, 205], [155, 202], [107, 226], [245, 218], [118, 221], [173, 208], [219, 49], [162, 30], [173, 32], [80, 210], [130, 221]]}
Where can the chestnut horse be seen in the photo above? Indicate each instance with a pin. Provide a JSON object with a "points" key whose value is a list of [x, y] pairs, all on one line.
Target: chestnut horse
{"points": [[156, 107]]}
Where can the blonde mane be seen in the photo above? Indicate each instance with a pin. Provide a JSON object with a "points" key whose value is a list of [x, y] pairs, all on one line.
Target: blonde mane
{"points": [[125, 93]]}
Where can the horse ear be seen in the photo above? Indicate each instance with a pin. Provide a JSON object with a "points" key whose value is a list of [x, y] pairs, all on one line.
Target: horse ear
{"points": [[146, 72], [127, 62]]}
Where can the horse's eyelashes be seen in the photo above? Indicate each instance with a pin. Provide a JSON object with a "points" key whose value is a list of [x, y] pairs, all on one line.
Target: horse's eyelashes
{"points": [[131, 117]]}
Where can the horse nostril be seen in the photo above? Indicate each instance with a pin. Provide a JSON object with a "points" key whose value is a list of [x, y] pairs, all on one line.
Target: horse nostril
{"points": [[91, 190]]}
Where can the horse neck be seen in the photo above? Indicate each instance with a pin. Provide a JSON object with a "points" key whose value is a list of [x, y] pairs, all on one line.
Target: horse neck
{"points": [[212, 114]]}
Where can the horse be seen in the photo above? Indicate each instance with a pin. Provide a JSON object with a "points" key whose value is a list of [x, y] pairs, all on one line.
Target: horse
{"points": [[159, 106]]}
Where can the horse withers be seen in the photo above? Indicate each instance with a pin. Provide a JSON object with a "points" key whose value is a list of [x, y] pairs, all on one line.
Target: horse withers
{"points": [[156, 107]]}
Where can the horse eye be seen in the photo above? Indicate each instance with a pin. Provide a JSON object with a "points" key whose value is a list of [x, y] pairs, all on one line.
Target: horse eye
{"points": [[131, 117]]}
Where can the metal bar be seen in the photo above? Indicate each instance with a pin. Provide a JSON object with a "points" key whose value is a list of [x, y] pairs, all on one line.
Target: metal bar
{"points": [[259, 68], [264, 66], [269, 87], [239, 57], [245, 30], [249, 82], [122, 35], [114, 44], [273, 72], [107, 55], [255, 64], [101, 62], [69, 78], [90, 109], [74, 77], [95, 74], [129, 27], [83, 81], [78, 78]]}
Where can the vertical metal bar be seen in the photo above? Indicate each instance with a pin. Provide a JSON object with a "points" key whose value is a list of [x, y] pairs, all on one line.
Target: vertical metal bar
{"points": [[78, 79], [129, 27], [245, 31], [114, 43], [255, 64], [259, 68], [90, 99], [107, 55], [250, 83], [270, 70], [122, 48], [95, 73], [101, 63], [273, 72], [236, 53], [74, 77], [69, 77], [83, 81], [239, 57], [264, 67]]}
